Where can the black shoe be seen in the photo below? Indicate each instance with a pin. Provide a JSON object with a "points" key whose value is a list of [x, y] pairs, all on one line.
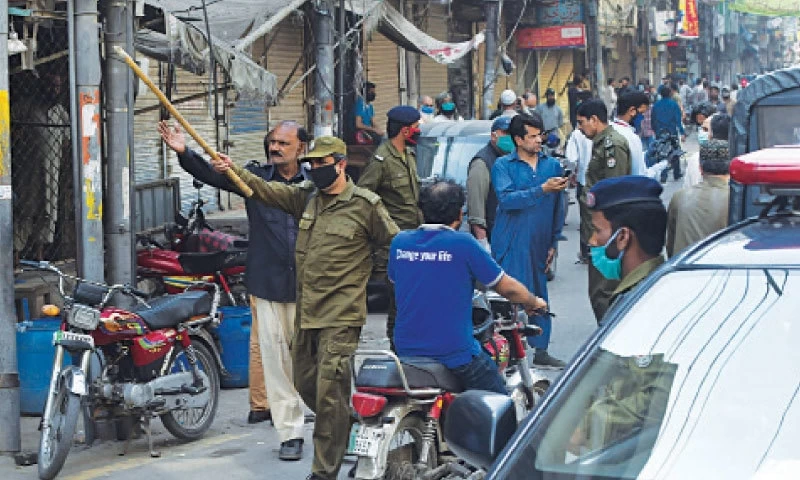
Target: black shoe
{"points": [[291, 449], [543, 359], [258, 416]]}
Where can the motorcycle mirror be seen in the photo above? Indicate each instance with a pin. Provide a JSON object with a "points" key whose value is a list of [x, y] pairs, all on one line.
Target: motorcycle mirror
{"points": [[197, 184], [508, 64]]}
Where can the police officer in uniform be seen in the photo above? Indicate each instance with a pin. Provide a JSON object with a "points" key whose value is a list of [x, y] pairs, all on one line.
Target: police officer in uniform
{"points": [[630, 222], [611, 157], [392, 174], [629, 225], [338, 224]]}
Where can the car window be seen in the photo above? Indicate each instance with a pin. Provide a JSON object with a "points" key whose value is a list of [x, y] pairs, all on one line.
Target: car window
{"points": [[698, 380], [448, 157]]}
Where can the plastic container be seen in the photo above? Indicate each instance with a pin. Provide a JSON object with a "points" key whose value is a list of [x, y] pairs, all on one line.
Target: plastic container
{"points": [[233, 334], [35, 352]]}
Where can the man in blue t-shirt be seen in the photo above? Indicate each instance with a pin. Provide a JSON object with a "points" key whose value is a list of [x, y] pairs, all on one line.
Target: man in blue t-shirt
{"points": [[365, 114], [433, 269]]}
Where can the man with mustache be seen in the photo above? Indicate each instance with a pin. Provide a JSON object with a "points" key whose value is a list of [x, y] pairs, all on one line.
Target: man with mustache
{"points": [[271, 278]]}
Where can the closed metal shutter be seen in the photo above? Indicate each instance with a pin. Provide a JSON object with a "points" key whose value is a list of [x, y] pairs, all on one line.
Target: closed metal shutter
{"points": [[382, 69], [432, 75], [555, 70]]}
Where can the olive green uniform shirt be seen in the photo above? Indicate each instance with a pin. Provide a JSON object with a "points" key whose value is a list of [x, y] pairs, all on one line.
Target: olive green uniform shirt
{"points": [[611, 157], [638, 274], [332, 252], [393, 176]]}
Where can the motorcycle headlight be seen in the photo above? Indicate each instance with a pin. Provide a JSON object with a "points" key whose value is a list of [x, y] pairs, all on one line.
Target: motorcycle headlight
{"points": [[81, 316]]}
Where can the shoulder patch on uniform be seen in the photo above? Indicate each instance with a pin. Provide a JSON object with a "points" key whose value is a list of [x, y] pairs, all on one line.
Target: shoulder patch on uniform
{"points": [[609, 142], [252, 163], [368, 195], [611, 162]]}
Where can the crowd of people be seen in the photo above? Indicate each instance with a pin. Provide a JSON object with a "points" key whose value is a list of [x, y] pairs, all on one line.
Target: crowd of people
{"points": [[316, 237]]}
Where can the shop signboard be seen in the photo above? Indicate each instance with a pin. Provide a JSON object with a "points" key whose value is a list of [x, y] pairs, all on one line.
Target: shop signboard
{"points": [[544, 38]]}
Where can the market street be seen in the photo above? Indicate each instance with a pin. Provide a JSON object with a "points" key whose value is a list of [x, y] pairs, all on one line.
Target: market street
{"points": [[232, 449]]}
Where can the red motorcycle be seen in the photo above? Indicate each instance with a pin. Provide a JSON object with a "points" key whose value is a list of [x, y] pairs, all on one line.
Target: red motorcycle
{"points": [[156, 359], [400, 403], [196, 253]]}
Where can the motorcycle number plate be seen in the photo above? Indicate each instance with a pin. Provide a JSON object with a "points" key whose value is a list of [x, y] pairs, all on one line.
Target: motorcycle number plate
{"points": [[364, 441], [60, 336]]}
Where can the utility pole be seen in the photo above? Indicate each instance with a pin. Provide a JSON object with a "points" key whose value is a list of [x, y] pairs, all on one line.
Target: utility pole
{"points": [[340, 71], [491, 9], [89, 181], [9, 373], [412, 62], [118, 208], [647, 41], [324, 74], [593, 47]]}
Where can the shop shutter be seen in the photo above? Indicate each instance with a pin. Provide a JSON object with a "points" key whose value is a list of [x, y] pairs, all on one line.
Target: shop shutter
{"points": [[382, 69], [549, 61], [432, 75], [250, 120]]}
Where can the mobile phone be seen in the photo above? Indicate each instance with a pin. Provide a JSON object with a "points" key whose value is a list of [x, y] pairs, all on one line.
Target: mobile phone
{"points": [[567, 173]]}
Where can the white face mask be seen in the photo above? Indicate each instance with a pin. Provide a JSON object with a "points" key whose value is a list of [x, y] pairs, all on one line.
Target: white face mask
{"points": [[702, 137]]}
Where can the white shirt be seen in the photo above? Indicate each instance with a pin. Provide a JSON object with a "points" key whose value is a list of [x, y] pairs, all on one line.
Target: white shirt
{"points": [[579, 152], [638, 167]]}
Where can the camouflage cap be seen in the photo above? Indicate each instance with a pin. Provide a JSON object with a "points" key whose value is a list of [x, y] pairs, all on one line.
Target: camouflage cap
{"points": [[327, 146]]}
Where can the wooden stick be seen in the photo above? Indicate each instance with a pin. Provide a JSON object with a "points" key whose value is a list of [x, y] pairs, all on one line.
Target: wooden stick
{"points": [[243, 188]]}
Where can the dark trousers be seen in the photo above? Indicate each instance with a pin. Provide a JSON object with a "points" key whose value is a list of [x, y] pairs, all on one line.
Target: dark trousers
{"points": [[321, 359], [586, 222], [481, 374]]}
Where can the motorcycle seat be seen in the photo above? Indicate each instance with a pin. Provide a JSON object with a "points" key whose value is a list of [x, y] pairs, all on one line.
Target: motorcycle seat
{"points": [[421, 372], [170, 310], [198, 263]]}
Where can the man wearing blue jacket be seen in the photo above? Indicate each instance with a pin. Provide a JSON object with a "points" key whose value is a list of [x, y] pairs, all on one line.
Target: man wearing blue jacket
{"points": [[667, 122], [271, 273]]}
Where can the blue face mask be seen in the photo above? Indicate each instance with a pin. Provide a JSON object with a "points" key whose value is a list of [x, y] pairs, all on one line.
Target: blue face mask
{"points": [[505, 144], [448, 107], [426, 109], [610, 268]]}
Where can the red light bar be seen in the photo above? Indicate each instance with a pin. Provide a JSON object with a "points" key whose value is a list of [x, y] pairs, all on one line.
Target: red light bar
{"points": [[368, 405], [778, 166]]}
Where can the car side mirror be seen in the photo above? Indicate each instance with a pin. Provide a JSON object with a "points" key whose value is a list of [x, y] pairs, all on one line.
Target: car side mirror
{"points": [[478, 425]]}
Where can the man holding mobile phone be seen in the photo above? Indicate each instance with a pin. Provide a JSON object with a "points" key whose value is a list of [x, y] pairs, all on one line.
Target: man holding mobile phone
{"points": [[529, 186]]}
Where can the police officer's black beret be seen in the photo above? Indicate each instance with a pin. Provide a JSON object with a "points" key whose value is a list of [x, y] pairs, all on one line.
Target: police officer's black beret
{"points": [[622, 190], [403, 114]]}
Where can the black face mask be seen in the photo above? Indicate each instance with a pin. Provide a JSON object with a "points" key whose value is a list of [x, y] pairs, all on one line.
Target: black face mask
{"points": [[370, 97], [551, 101], [323, 177]]}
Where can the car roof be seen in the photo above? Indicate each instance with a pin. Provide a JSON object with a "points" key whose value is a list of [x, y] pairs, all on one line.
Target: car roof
{"points": [[770, 241], [452, 128]]}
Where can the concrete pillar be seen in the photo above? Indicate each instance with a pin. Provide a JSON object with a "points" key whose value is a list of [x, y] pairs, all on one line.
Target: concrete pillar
{"points": [[324, 75], [491, 10], [89, 214], [9, 373], [119, 172]]}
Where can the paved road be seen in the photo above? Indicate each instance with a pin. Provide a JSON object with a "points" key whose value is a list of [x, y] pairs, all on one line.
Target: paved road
{"points": [[233, 450]]}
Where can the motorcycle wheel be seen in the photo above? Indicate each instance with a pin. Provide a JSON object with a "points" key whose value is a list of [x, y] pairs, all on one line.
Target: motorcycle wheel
{"points": [[55, 443], [405, 450], [192, 423]]}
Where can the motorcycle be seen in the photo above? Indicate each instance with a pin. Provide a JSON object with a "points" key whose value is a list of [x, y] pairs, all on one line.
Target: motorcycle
{"points": [[156, 359], [196, 252], [400, 403]]}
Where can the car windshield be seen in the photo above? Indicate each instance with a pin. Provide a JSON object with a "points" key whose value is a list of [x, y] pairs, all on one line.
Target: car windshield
{"points": [[700, 379], [448, 157]]}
